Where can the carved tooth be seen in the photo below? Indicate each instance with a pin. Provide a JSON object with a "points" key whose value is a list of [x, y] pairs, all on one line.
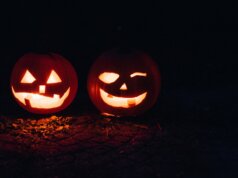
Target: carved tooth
{"points": [[131, 102], [109, 96], [56, 96], [28, 97]]}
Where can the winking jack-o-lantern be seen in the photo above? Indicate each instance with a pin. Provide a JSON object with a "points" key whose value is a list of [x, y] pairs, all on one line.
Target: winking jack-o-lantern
{"points": [[43, 83], [124, 82]]}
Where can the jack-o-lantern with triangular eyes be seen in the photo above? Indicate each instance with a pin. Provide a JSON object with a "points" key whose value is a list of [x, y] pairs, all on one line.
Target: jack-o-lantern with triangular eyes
{"points": [[124, 82], [43, 83]]}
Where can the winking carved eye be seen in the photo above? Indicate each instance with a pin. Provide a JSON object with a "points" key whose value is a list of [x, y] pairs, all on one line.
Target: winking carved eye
{"points": [[123, 82]]}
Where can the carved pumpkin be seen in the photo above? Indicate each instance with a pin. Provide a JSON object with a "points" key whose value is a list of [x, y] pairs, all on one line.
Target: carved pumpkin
{"points": [[123, 83], [43, 83]]}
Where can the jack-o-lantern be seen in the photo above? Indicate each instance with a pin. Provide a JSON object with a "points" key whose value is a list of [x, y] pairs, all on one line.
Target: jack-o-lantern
{"points": [[43, 83], [124, 83]]}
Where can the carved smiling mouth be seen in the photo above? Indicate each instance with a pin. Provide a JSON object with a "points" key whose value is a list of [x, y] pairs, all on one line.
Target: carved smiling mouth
{"points": [[123, 102], [41, 101]]}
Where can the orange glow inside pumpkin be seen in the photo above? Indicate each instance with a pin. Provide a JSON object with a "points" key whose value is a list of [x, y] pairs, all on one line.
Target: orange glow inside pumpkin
{"points": [[42, 88], [108, 77], [53, 78], [123, 102], [36, 100], [123, 87], [138, 74], [115, 101], [28, 78]]}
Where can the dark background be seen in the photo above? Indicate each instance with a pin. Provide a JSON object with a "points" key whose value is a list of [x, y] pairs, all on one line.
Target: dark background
{"points": [[194, 44]]}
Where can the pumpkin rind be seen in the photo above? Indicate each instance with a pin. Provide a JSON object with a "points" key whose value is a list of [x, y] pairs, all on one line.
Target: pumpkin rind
{"points": [[138, 74], [52, 79]]}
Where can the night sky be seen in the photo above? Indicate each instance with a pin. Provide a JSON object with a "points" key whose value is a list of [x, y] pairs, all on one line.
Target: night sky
{"points": [[194, 44]]}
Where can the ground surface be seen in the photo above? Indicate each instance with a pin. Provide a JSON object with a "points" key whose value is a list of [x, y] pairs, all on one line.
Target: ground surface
{"points": [[188, 145], [88, 146]]}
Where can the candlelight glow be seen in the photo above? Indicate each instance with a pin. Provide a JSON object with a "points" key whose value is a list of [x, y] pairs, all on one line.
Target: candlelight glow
{"points": [[28, 78], [40, 101], [138, 74], [123, 102], [108, 77], [54, 78]]}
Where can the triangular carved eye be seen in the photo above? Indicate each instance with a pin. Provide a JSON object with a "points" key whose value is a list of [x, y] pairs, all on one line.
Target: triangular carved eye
{"points": [[53, 78], [28, 77]]}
